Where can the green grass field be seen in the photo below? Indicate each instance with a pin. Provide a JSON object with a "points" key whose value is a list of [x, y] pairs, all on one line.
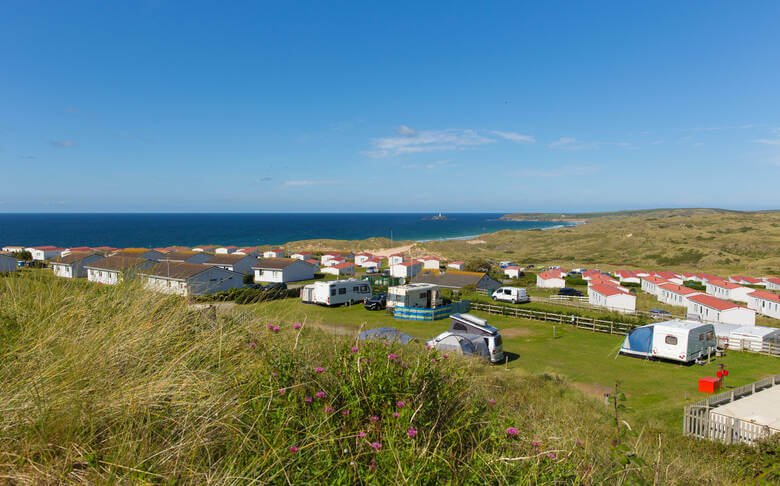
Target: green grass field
{"points": [[656, 391]]}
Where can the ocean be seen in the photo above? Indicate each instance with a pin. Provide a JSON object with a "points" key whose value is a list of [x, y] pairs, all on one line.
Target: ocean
{"points": [[241, 229]]}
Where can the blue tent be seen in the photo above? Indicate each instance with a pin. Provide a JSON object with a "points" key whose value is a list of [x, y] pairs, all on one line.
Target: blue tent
{"points": [[639, 341], [387, 334]]}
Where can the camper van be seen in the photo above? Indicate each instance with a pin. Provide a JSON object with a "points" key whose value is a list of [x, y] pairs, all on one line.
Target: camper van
{"points": [[417, 295], [514, 295], [675, 340], [336, 292], [471, 335]]}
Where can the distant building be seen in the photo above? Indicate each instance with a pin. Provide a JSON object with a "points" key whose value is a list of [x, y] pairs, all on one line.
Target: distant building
{"points": [[344, 268], [333, 261], [41, 253], [652, 284], [550, 279], [112, 270], [8, 263], [283, 270], [361, 257], [301, 255], [457, 265], [765, 303], [275, 253], [206, 248], [712, 309], [235, 263], [187, 279], [405, 269], [627, 276], [744, 280], [374, 263], [246, 251], [73, 265], [186, 256], [456, 279], [225, 250], [611, 297], [513, 271], [674, 294], [395, 259], [727, 290], [13, 249], [772, 283], [141, 253], [431, 263]]}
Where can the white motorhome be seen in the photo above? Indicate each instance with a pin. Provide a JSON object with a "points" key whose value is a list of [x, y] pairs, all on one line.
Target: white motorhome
{"points": [[418, 295], [336, 292], [510, 294], [674, 340], [469, 335]]}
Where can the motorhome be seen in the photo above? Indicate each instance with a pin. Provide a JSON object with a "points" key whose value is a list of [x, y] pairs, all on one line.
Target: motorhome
{"points": [[336, 292], [510, 294], [472, 335], [675, 340], [416, 295]]}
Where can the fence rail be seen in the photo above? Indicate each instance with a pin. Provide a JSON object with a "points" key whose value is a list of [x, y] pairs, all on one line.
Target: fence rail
{"points": [[703, 421]]}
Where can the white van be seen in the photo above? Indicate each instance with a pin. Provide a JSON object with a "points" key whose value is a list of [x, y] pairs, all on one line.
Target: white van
{"points": [[475, 328], [510, 294], [336, 292]]}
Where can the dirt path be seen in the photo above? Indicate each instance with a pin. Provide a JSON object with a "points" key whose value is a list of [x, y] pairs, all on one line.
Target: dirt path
{"points": [[386, 252]]}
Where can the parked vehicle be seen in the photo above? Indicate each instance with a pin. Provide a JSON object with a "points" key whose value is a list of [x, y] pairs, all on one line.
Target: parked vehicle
{"points": [[471, 335], [336, 292], [675, 340], [514, 295], [418, 295], [376, 302], [570, 292], [660, 314]]}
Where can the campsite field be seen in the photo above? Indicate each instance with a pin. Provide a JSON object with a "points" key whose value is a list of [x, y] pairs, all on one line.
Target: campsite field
{"points": [[656, 391]]}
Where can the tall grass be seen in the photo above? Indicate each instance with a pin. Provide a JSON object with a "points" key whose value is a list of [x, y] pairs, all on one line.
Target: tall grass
{"points": [[115, 384]]}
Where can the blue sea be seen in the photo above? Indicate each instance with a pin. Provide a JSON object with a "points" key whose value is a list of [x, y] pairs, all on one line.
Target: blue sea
{"points": [[241, 229]]}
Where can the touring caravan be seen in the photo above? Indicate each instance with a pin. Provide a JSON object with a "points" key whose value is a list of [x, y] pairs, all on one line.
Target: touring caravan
{"points": [[754, 338], [675, 340], [470, 332], [416, 295], [336, 292]]}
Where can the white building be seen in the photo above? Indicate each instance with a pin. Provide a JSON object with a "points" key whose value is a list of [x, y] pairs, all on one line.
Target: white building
{"points": [[112, 270], [405, 269], [611, 297], [225, 250], [675, 278], [41, 253], [13, 249], [301, 255], [189, 278], [627, 276], [73, 265], [186, 256], [283, 270], [457, 265], [772, 283], [235, 263], [8, 263], [765, 303], [431, 263], [345, 268], [712, 309], [374, 263], [333, 261], [395, 259], [674, 294], [206, 248], [550, 279], [361, 257], [275, 253], [745, 280], [511, 272], [652, 285], [727, 290], [326, 257], [250, 250]]}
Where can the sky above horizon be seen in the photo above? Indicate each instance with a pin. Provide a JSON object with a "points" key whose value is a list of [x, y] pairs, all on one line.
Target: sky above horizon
{"points": [[399, 106]]}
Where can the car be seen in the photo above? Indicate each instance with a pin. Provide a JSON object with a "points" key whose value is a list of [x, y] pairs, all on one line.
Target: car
{"points": [[660, 314], [376, 302], [570, 292]]}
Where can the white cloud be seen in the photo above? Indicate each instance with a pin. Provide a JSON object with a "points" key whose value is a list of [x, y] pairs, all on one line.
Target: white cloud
{"points": [[405, 131], [567, 170], [316, 182], [64, 143], [426, 141], [430, 165], [514, 137], [767, 141], [569, 143], [656, 142]]}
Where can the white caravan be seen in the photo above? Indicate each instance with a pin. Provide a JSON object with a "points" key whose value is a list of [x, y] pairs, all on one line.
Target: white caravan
{"points": [[336, 292], [514, 295], [417, 295], [674, 340]]}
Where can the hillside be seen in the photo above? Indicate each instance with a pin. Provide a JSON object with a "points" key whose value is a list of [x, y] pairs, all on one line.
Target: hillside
{"points": [[115, 384], [701, 240]]}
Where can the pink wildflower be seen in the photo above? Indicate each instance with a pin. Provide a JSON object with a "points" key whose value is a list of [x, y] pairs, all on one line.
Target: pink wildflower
{"points": [[252, 345], [404, 365], [492, 401], [396, 415], [308, 399], [428, 346], [293, 449], [400, 404], [270, 326], [328, 409], [374, 418], [282, 391], [387, 344], [536, 444], [361, 434], [512, 431], [411, 432], [578, 442], [319, 369], [320, 394], [372, 466], [445, 356], [276, 329], [345, 412], [433, 361], [297, 325], [551, 455], [376, 446], [355, 349], [275, 374], [338, 373], [391, 356]]}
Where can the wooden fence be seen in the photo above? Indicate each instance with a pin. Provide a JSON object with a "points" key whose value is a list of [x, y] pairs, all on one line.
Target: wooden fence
{"points": [[580, 322], [702, 420]]}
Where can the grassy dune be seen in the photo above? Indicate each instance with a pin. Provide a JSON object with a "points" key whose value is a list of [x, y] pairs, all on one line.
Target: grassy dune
{"points": [[114, 384], [701, 240]]}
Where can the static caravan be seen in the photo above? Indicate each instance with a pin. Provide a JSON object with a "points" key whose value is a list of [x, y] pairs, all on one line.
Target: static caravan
{"points": [[417, 295], [754, 338], [336, 292], [675, 340]]}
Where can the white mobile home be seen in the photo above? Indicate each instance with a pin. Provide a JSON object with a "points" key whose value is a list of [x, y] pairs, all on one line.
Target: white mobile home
{"points": [[206, 248], [674, 294], [405, 269], [339, 269], [417, 295], [112, 270], [772, 283], [336, 292], [41, 253], [361, 257], [652, 285], [712, 309], [7, 263], [457, 265], [727, 290], [627, 276], [301, 255], [235, 263], [13, 249], [189, 278], [745, 280], [283, 270], [275, 253], [395, 259], [73, 265], [611, 297], [754, 338], [765, 303], [431, 263], [513, 272], [374, 263], [225, 250], [246, 251], [550, 279], [674, 340]]}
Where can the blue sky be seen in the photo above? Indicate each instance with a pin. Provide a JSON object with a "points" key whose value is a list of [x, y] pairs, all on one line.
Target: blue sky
{"points": [[399, 106]]}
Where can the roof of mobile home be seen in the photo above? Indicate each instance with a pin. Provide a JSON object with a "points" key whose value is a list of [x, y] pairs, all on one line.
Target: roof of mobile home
{"points": [[274, 263], [773, 280], [73, 257], [679, 289], [548, 274], [117, 262], [225, 259], [175, 270], [713, 302], [655, 280], [763, 294], [724, 284], [452, 279], [607, 290]]}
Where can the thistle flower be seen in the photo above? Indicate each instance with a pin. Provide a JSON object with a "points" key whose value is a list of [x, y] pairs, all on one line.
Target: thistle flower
{"points": [[492, 401], [282, 391], [355, 349], [297, 325], [362, 434], [319, 369], [252, 345], [372, 466], [293, 449], [412, 432], [270, 326], [445, 356], [391, 356], [396, 415], [276, 329], [345, 412], [320, 394], [400, 404], [374, 418], [512, 431], [275, 374], [308, 399], [376, 446], [551, 455], [328, 409], [536, 444]]}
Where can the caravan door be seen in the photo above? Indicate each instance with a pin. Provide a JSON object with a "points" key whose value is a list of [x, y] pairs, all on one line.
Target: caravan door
{"points": [[670, 345]]}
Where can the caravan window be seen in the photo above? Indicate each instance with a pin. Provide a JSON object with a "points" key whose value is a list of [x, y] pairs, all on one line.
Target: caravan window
{"points": [[710, 335], [342, 290], [671, 340], [364, 289], [332, 291], [356, 288], [701, 337]]}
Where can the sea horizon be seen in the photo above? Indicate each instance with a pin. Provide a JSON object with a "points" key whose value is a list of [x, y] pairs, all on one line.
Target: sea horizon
{"points": [[153, 229]]}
